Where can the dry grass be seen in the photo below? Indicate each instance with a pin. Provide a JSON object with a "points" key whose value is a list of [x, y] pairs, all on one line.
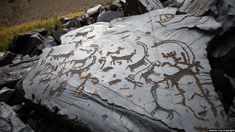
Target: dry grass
{"points": [[22, 11], [26, 15], [8, 33]]}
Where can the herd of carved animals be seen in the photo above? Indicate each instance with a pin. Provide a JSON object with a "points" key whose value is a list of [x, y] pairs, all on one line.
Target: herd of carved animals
{"points": [[147, 71]]}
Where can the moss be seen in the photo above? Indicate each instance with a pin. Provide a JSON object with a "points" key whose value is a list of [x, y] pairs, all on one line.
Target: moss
{"points": [[8, 33]]}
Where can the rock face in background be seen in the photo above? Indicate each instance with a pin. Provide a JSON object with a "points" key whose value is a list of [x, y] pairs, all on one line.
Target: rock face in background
{"points": [[9, 122], [221, 53], [142, 73], [151, 4], [197, 7]]}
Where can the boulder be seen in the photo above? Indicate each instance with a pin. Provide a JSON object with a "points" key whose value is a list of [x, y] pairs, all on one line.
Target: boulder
{"points": [[9, 122], [107, 16], [221, 52], [7, 58], [74, 23], [136, 7], [27, 44], [56, 34], [141, 73], [93, 10]]}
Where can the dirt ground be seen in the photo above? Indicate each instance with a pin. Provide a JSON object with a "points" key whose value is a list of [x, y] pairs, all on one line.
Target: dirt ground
{"points": [[19, 11]]}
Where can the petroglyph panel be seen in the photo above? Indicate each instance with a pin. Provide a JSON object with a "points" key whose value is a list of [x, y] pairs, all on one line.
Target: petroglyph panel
{"points": [[152, 67]]}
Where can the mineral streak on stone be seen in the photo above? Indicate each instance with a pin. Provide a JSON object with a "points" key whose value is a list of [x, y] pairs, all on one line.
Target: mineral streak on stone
{"points": [[168, 88]]}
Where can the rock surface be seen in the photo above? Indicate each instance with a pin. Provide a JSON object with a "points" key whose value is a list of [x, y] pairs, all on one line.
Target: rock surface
{"points": [[107, 16], [11, 74], [9, 122], [142, 73], [221, 52], [197, 7], [151, 4]]}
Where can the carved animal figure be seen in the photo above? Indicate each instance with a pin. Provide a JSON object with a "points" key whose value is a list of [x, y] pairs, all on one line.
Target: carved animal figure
{"points": [[126, 57], [50, 66], [150, 71], [134, 66], [80, 71], [115, 81], [181, 73], [158, 107], [115, 52], [83, 61], [57, 57], [106, 69], [141, 61]]}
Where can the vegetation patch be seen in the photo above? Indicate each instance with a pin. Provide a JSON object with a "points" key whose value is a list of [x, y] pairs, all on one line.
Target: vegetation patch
{"points": [[8, 33]]}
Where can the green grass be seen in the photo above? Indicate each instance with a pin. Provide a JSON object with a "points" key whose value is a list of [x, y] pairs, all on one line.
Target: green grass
{"points": [[8, 33]]}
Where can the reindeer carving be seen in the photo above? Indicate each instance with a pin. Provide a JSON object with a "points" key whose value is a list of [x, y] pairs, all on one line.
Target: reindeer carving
{"points": [[191, 68], [158, 107]]}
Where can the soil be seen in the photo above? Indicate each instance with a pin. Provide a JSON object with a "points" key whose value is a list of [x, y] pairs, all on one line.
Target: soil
{"points": [[14, 12]]}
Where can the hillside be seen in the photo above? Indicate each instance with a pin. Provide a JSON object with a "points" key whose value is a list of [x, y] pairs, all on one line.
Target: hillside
{"points": [[19, 11]]}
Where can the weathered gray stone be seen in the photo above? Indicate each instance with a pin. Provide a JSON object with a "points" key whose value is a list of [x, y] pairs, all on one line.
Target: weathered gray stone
{"points": [[7, 58], [9, 122], [231, 114], [107, 16], [197, 7], [141, 73], [6, 94], [11, 74], [151, 4]]}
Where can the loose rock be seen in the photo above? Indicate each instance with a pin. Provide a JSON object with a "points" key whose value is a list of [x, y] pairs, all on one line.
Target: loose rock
{"points": [[9, 122]]}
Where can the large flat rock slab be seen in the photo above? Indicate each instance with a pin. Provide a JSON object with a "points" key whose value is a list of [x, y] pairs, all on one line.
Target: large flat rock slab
{"points": [[142, 73]]}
